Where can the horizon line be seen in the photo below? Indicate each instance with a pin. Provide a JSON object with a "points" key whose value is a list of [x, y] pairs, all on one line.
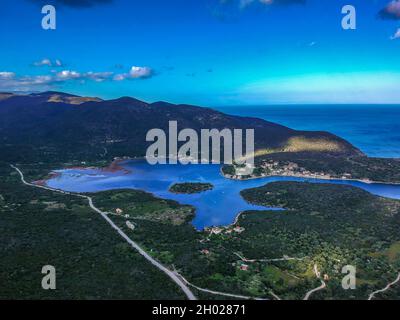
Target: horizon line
{"points": [[208, 106]]}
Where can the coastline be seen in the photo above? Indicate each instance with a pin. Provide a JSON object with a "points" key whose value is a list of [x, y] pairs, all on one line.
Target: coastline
{"points": [[307, 177], [236, 220], [43, 182], [114, 167], [118, 165]]}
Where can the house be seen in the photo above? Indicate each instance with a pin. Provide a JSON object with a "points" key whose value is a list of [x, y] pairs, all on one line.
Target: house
{"points": [[326, 277], [118, 211], [216, 230], [205, 251], [238, 229], [130, 225], [244, 267]]}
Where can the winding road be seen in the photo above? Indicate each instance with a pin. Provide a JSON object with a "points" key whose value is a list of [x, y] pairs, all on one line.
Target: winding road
{"points": [[372, 295], [267, 260], [174, 277], [321, 287], [231, 295]]}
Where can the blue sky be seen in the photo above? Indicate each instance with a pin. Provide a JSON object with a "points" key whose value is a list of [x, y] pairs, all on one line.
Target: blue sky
{"points": [[206, 52]]}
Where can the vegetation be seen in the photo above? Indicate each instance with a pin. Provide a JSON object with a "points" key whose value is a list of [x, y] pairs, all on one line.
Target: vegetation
{"points": [[327, 225], [41, 228], [190, 188], [48, 127], [318, 164], [141, 205], [334, 225]]}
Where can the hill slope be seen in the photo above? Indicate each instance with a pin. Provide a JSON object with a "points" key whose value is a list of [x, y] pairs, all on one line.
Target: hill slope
{"points": [[59, 126]]}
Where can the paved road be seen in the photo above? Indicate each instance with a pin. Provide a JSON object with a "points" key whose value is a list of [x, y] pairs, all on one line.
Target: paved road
{"points": [[372, 295], [322, 286], [217, 292], [134, 245], [267, 260]]}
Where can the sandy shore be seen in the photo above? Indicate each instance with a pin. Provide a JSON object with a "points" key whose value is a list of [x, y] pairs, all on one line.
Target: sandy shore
{"points": [[43, 182], [114, 167]]}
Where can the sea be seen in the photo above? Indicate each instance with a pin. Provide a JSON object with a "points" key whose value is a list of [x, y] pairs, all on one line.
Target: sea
{"points": [[374, 129]]}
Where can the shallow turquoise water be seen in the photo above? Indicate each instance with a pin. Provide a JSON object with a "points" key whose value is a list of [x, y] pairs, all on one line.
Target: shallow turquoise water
{"points": [[217, 207]]}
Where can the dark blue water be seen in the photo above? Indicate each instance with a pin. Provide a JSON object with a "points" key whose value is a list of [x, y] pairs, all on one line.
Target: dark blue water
{"points": [[375, 129], [217, 207]]}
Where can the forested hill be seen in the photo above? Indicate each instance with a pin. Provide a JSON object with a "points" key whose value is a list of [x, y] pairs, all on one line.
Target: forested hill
{"points": [[58, 126]]}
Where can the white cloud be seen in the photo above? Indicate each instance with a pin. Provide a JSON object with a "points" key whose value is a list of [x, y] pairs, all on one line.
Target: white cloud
{"points": [[396, 35], [48, 62], [141, 72], [135, 73], [120, 77], [44, 62], [10, 81], [68, 75], [98, 76], [6, 75]]}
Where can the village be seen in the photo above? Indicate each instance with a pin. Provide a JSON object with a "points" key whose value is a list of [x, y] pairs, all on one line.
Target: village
{"points": [[290, 169], [294, 170]]}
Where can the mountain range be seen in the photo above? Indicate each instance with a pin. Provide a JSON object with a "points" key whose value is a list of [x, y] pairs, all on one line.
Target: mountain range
{"points": [[52, 126]]}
